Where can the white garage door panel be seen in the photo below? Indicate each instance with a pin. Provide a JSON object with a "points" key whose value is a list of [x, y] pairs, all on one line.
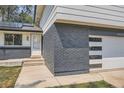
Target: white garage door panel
{"points": [[109, 63], [113, 47], [113, 52]]}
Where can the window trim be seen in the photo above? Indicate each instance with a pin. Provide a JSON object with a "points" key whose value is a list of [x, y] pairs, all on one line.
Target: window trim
{"points": [[13, 40]]}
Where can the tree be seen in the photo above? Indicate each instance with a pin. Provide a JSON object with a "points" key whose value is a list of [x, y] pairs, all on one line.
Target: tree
{"points": [[3, 10], [14, 13], [25, 15]]}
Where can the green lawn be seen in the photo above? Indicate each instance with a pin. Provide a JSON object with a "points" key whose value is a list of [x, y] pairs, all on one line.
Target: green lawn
{"points": [[97, 84], [8, 76]]}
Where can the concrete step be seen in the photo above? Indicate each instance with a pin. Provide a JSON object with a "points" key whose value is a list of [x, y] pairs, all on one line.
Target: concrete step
{"points": [[33, 63], [36, 56], [30, 60]]}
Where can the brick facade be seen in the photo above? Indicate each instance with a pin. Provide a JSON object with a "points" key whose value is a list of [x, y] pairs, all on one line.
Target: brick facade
{"points": [[66, 49]]}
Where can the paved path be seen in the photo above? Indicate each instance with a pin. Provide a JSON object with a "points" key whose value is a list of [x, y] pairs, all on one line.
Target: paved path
{"points": [[40, 76], [34, 76]]}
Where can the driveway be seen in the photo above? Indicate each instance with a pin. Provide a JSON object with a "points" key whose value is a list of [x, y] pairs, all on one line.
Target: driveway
{"points": [[39, 76], [115, 78]]}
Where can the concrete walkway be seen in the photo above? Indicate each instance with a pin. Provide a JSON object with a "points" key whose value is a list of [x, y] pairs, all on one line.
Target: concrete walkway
{"points": [[39, 77], [116, 78]]}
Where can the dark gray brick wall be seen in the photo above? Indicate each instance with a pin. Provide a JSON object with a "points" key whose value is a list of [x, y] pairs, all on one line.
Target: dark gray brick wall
{"points": [[48, 48], [72, 59], [72, 55], [71, 36], [2, 53], [14, 53], [65, 49]]}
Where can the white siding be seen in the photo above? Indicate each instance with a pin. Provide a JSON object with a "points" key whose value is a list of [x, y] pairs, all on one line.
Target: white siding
{"points": [[25, 42], [95, 44], [90, 14], [48, 17], [95, 52], [101, 15], [46, 14]]}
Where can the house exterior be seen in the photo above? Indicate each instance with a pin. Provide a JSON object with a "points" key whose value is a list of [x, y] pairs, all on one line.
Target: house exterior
{"points": [[19, 41], [72, 39], [79, 39]]}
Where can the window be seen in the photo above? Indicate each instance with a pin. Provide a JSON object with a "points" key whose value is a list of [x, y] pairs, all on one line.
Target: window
{"points": [[95, 56], [98, 65], [92, 39], [13, 39], [95, 48]]}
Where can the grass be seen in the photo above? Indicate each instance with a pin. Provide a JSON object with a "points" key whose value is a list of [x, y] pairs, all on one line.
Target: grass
{"points": [[97, 84], [8, 76]]}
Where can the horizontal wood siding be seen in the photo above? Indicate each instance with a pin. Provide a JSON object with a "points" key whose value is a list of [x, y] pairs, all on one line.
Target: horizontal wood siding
{"points": [[93, 12], [46, 13], [98, 14]]}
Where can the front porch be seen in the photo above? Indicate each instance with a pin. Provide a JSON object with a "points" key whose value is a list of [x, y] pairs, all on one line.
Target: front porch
{"points": [[16, 43]]}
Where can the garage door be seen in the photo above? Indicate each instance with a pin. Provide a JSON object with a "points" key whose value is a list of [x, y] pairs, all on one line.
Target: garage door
{"points": [[112, 52]]}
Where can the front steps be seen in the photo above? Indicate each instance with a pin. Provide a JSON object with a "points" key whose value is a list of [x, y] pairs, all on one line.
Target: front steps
{"points": [[36, 56], [34, 61]]}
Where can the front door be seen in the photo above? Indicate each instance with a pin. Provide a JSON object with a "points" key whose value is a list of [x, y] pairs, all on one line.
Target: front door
{"points": [[36, 45]]}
